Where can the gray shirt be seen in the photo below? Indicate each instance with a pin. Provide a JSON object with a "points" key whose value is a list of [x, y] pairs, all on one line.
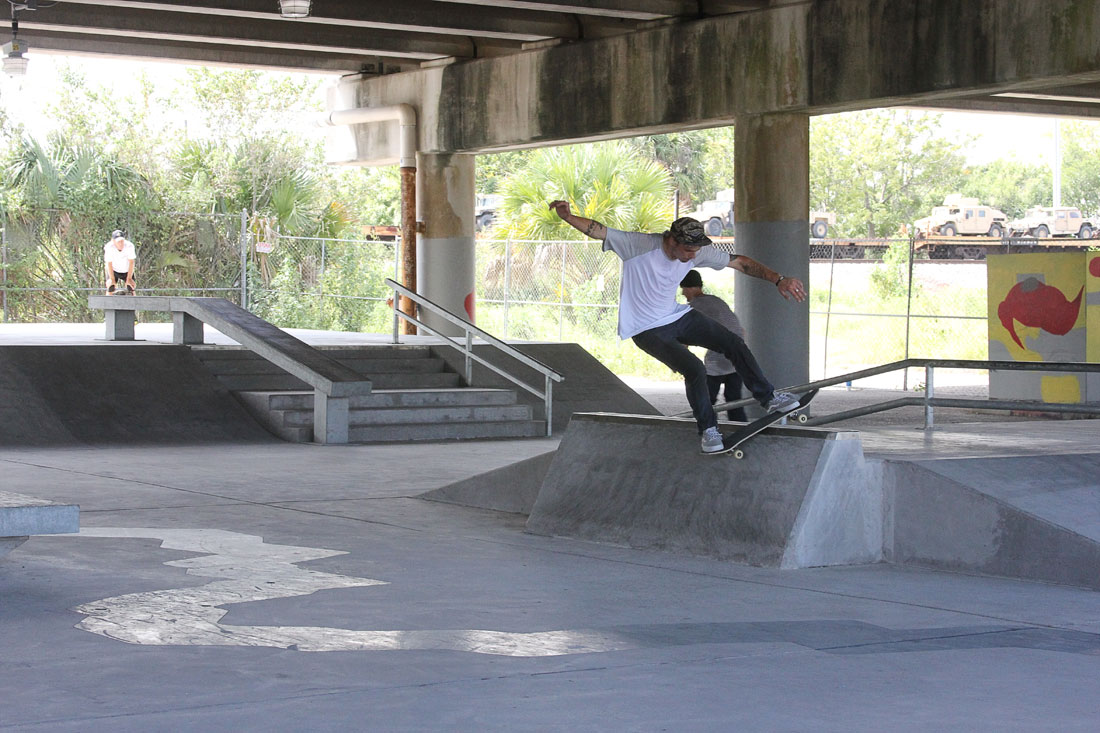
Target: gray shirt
{"points": [[714, 307]]}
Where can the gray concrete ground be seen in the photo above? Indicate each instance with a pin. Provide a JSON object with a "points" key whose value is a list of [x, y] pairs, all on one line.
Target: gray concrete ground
{"points": [[366, 608]]}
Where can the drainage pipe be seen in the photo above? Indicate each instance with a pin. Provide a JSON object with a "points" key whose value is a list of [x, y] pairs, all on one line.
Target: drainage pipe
{"points": [[405, 114]]}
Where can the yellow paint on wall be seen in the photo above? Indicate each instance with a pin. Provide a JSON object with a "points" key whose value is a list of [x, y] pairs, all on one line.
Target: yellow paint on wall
{"points": [[1062, 270], [1065, 389], [1092, 307]]}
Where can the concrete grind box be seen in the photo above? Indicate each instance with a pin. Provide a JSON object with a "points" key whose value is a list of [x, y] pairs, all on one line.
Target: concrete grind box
{"points": [[799, 498]]}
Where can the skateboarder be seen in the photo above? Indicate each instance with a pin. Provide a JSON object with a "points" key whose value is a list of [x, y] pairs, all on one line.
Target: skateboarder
{"points": [[118, 262], [653, 266], [720, 372]]}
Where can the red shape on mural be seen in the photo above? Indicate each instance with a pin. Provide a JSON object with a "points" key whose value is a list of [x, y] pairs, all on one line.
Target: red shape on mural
{"points": [[469, 304], [1036, 304], [1094, 267]]}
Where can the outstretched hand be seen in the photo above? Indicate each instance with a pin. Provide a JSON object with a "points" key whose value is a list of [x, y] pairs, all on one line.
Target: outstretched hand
{"points": [[792, 288], [561, 208]]}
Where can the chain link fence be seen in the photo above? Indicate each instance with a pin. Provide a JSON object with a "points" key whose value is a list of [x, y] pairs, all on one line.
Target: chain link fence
{"points": [[871, 301], [52, 259]]}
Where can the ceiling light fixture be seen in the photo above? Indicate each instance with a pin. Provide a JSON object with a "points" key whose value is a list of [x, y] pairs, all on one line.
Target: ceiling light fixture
{"points": [[15, 63], [295, 8]]}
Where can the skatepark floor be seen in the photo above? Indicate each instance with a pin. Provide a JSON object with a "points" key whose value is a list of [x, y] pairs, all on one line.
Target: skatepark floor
{"points": [[280, 587]]}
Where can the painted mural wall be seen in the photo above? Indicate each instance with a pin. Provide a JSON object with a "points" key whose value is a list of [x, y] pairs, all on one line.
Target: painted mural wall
{"points": [[1044, 307]]}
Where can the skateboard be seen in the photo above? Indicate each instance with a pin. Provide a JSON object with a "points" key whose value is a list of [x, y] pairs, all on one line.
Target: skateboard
{"points": [[733, 440]]}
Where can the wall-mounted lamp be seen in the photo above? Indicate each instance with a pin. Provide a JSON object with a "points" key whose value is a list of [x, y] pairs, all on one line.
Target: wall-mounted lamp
{"points": [[15, 63], [295, 8]]}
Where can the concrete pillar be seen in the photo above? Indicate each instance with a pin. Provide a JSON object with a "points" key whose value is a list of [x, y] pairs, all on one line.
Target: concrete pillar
{"points": [[771, 206], [119, 324], [445, 248], [186, 329], [330, 418]]}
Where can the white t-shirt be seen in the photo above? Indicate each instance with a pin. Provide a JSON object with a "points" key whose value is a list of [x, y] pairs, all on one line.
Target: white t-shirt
{"points": [[119, 258], [650, 280]]}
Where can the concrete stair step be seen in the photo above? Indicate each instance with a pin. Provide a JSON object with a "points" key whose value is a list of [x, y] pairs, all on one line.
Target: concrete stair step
{"points": [[426, 416], [448, 431], [367, 367], [279, 400], [204, 352], [272, 382]]}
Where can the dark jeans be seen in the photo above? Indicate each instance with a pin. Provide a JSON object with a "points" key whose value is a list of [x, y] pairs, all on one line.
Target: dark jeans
{"points": [[669, 345], [732, 383]]}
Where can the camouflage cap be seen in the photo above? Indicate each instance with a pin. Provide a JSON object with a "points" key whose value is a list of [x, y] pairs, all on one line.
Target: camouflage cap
{"points": [[686, 230]]}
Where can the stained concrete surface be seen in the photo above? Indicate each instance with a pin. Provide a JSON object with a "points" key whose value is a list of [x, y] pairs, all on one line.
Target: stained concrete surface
{"points": [[669, 641]]}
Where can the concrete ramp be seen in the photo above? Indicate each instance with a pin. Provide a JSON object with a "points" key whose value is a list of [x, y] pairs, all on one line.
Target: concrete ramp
{"points": [[119, 394], [511, 488], [801, 497], [1033, 517]]}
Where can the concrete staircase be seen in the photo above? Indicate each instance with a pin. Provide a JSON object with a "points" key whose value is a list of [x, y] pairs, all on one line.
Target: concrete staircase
{"points": [[414, 397]]}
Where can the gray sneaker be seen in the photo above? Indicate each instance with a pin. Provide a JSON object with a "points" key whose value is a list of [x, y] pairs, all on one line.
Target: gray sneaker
{"points": [[782, 402], [712, 441]]}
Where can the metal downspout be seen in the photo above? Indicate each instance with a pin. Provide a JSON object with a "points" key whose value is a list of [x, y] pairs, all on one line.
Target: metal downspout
{"points": [[405, 114]]}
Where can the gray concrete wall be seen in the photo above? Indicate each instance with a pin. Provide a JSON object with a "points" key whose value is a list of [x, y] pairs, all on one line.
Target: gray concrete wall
{"points": [[117, 394]]}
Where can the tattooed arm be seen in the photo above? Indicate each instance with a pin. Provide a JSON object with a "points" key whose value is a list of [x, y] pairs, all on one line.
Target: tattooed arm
{"points": [[789, 287], [588, 227]]}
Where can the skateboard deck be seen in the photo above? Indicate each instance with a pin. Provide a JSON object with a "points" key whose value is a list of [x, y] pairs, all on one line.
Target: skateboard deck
{"points": [[733, 441]]}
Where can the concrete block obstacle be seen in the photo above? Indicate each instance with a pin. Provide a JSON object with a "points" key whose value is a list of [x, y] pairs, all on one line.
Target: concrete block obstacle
{"points": [[804, 497], [1033, 517], [801, 497], [23, 516]]}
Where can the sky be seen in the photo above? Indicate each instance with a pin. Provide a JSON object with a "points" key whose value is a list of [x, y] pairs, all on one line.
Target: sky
{"points": [[1027, 138]]}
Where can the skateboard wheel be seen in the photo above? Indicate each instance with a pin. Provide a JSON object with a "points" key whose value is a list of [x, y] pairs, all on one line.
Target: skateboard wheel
{"points": [[803, 418], [739, 454]]}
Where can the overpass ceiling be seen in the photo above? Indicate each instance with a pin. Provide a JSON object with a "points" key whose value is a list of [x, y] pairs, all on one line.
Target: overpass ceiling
{"points": [[342, 36], [384, 36]]}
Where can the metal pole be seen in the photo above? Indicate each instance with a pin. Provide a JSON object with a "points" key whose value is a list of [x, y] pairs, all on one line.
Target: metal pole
{"points": [[828, 310], [244, 259], [549, 409], [561, 298], [469, 361], [4, 260], [507, 279], [321, 280], [908, 318], [929, 393], [408, 244]]}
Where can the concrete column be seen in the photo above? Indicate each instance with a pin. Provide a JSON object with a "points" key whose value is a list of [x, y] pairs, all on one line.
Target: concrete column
{"points": [[771, 206], [445, 248], [186, 329], [119, 324], [330, 418]]}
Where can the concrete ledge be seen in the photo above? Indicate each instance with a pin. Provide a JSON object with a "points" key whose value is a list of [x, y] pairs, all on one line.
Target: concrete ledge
{"points": [[801, 497], [22, 516]]}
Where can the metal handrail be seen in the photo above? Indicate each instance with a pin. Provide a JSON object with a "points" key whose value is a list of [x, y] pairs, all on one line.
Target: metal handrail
{"points": [[929, 400], [470, 330]]}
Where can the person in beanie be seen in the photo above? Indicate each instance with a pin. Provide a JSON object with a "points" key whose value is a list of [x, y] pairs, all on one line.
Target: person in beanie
{"points": [[653, 266], [720, 372]]}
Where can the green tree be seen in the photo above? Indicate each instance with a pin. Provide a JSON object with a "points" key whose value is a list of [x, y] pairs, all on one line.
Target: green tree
{"points": [[1008, 185], [1080, 144], [881, 169], [609, 182]]}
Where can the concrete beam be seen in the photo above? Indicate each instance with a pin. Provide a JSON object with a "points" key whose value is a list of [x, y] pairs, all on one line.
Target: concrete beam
{"points": [[812, 57]]}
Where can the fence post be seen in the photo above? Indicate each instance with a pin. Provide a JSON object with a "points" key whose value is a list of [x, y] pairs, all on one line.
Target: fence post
{"points": [[507, 279], [244, 259], [908, 319], [4, 261], [561, 297]]}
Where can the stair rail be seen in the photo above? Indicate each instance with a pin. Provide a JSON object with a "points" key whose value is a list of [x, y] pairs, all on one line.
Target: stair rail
{"points": [[929, 400], [467, 348]]}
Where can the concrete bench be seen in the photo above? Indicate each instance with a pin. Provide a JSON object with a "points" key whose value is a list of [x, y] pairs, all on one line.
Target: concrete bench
{"points": [[333, 383], [22, 516]]}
